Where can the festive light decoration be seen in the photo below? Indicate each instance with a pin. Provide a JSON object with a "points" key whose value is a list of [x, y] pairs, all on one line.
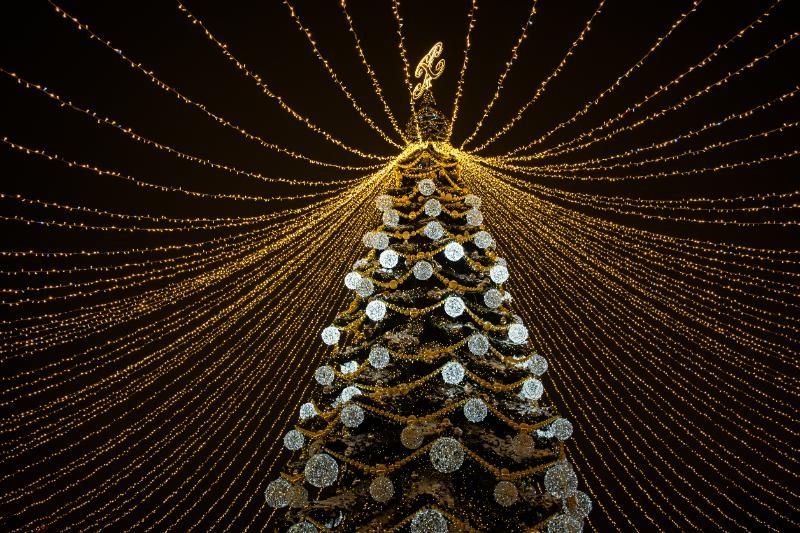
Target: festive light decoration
{"points": [[447, 455]]}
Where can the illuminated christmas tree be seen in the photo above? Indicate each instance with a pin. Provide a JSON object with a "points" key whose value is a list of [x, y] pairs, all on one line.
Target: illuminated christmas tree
{"points": [[428, 415]]}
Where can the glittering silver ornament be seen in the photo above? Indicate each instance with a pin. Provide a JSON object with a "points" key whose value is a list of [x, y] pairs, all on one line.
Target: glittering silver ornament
{"points": [[380, 241], [472, 200], [454, 251], [391, 218], [293, 440], [321, 470], [330, 335], [368, 238], [432, 207], [423, 270], [475, 410], [307, 410], [303, 527], [453, 306], [349, 367], [517, 333], [482, 239], [505, 493], [411, 437], [381, 489], [426, 187], [383, 202], [447, 455], [561, 429], [428, 521], [297, 495], [493, 298], [351, 280], [348, 393], [276, 493], [324, 375], [478, 344], [453, 373], [376, 310], [583, 506], [378, 356], [433, 230], [352, 415], [388, 258], [474, 217], [532, 389], [564, 524], [537, 365], [560, 480], [365, 287], [499, 274]]}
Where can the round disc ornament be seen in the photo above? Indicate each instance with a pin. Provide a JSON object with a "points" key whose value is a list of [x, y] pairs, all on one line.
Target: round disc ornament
{"points": [[532, 389], [517, 333], [423, 270], [276, 493], [376, 310], [537, 365], [493, 298], [561, 429], [378, 356], [475, 410], [428, 521], [499, 274], [324, 375], [303, 527], [388, 259], [453, 306], [348, 393], [452, 373], [560, 480], [321, 470], [563, 523], [478, 344], [365, 287], [433, 208], [307, 410], [293, 440], [505, 493], [426, 187], [352, 415], [381, 489], [411, 437], [391, 218], [330, 335], [434, 230], [351, 280], [472, 200], [380, 241], [447, 455], [383, 202], [483, 239], [474, 217], [454, 251]]}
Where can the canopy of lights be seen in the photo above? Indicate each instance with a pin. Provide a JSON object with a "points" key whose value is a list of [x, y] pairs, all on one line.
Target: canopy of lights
{"points": [[152, 362]]}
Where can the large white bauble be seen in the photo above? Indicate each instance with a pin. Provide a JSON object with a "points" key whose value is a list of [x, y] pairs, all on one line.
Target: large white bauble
{"points": [[330, 335], [517, 333], [453, 373], [499, 273], [423, 270], [426, 187], [454, 306], [388, 258], [454, 251], [376, 310], [324, 375]]}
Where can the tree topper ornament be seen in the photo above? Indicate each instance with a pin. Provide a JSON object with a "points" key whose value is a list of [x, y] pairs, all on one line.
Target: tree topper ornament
{"points": [[428, 69]]}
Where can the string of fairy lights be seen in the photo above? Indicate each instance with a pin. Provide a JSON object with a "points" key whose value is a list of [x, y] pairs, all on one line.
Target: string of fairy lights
{"points": [[155, 359]]}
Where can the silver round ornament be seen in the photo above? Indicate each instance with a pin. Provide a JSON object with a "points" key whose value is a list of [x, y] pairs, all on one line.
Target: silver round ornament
{"points": [[454, 251], [499, 274], [532, 389], [447, 455], [453, 306], [276, 493], [391, 218], [324, 375], [352, 415], [493, 298], [434, 230], [365, 287], [303, 527], [583, 506], [351, 280], [307, 410], [368, 238], [474, 217], [506, 493], [537, 365], [348, 393], [561, 429], [482, 239], [411, 437], [563, 523], [478, 344], [472, 200], [349, 367], [432, 207], [452, 373], [383, 202], [297, 496], [330, 335], [517, 333], [428, 521], [475, 410], [388, 259], [380, 241], [560, 480], [293, 440], [376, 310], [378, 356], [426, 187], [321, 470], [423, 270], [381, 489]]}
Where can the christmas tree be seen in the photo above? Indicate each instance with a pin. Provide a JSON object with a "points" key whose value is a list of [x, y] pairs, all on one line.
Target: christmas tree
{"points": [[428, 415]]}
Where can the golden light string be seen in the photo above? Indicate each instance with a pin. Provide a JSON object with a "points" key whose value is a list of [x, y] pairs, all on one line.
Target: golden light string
{"points": [[129, 132], [566, 285], [570, 146], [279, 99], [401, 46], [501, 80], [372, 76], [545, 82], [312, 41], [590, 104], [149, 74], [462, 72]]}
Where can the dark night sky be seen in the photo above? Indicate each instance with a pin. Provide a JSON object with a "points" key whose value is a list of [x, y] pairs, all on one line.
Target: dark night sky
{"points": [[43, 48]]}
